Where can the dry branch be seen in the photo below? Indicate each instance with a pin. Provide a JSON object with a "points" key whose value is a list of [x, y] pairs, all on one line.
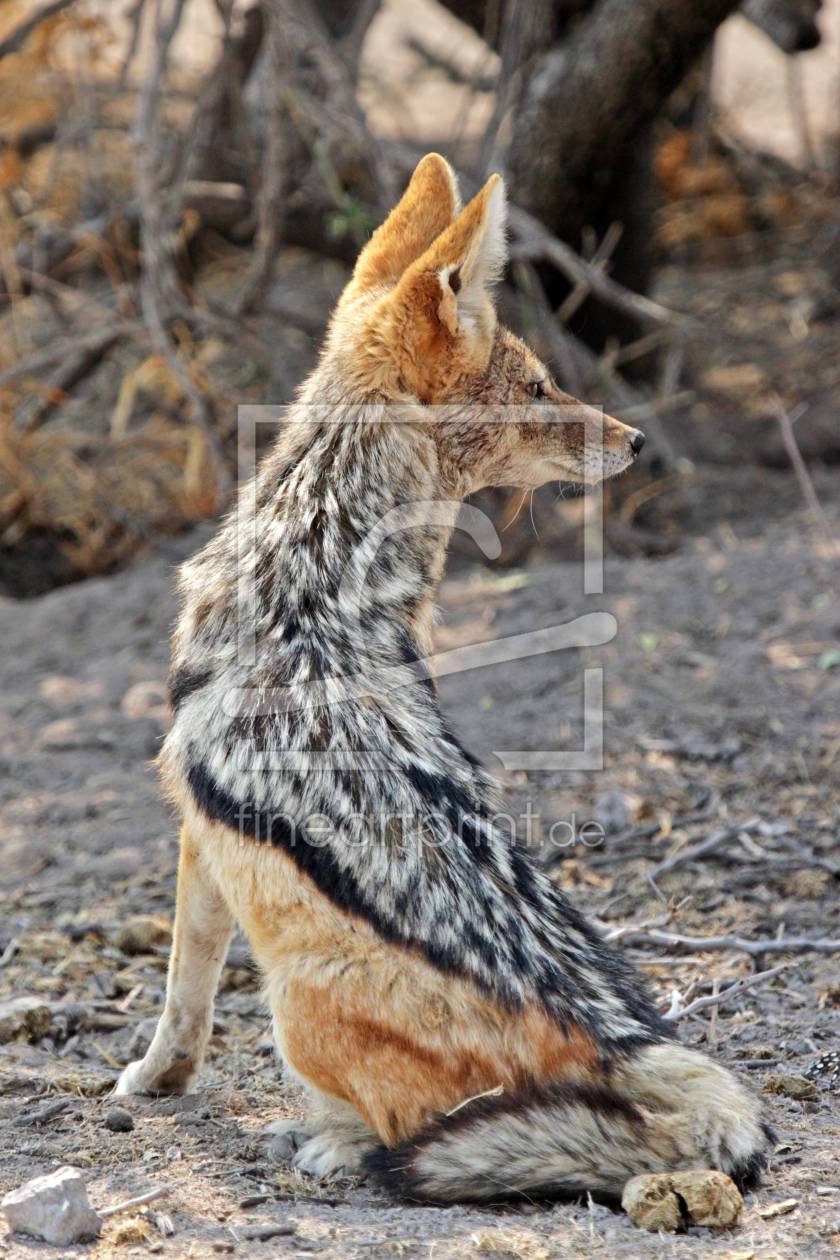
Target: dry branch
{"points": [[161, 294], [134, 17], [599, 259], [705, 846], [717, 999], [558, 344], [614, 936], [700, 944], [64, 292], [803, 476], [350, 47], [16, 39], [533, 241], [159, 285], [88, 343], [140, 1201], [274, 163], [525, 27]]}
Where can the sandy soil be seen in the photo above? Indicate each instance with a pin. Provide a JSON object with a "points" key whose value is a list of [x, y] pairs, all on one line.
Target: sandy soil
{"points": [[721, 687]]}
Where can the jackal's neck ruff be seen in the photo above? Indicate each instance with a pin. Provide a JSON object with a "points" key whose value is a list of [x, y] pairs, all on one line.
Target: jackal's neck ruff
{"points": [[298, 720]]}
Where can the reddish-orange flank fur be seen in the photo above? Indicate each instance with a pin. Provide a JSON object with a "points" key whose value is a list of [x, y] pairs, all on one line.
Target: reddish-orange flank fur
{"points": [[463, 1031]]}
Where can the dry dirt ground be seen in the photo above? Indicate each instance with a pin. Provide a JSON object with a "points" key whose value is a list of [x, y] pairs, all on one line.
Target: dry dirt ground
{"points": [[721, 706]]}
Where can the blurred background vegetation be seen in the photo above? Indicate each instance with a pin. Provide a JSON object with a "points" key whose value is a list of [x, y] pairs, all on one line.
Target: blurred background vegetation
{"points": [[184, 185]]}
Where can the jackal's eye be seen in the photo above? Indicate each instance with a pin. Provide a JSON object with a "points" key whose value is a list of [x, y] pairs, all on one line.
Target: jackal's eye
{"points": [[535, 389]]}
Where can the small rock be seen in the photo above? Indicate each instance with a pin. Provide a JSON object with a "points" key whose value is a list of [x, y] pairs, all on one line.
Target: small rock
{"points": [[674, 1200], [24, 1018], [791, 1085], [54, 1207], [119, 1121], [141, 932]]}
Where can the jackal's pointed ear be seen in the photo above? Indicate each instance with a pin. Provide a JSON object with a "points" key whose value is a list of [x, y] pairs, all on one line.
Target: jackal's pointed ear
{"points": [[456, 274], [426, 209]]}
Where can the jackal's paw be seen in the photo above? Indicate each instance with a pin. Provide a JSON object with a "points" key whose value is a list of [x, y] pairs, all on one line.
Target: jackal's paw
{"points": [[141, 1078], [332, 1155], [284, 1143]]}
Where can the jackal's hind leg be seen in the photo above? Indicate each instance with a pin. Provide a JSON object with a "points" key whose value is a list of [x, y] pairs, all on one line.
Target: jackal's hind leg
{"points": [[203, 928]]}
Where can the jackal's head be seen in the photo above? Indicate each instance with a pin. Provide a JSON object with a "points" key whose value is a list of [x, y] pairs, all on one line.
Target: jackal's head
{"points": [[417, 323]]}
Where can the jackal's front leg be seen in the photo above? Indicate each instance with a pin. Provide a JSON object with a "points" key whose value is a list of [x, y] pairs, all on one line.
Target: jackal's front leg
{"points": [[203, 928]]}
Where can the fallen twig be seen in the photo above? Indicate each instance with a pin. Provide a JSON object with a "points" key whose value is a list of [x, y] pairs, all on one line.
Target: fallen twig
{"points": [[777, 1209], [261, 1233], [701, 944], [644, 494], [716, 999], [614, 935], [804, 477], [290, 1196], [140, 1201], [705, 846], [46, 1113]]}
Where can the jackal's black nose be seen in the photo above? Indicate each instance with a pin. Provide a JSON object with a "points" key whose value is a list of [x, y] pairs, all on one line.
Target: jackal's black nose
{"points": [[637, 441]]}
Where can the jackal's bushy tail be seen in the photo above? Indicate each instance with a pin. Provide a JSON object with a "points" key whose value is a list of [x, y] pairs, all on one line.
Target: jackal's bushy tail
{"points": [[562, 1140]]}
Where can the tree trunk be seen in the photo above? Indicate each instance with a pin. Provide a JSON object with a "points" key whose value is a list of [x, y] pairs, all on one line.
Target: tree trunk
{"points": [[587, 103]]}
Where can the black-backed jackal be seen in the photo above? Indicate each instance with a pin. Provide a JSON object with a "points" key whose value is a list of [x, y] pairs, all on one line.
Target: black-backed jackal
{"points": [[418, 964]]}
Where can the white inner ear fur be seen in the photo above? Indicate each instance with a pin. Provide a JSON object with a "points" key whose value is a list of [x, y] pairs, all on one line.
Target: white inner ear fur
{"points": [[475, 275]]}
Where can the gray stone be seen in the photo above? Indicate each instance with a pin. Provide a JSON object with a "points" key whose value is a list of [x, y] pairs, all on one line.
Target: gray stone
{"points": [[24, 1018], [118, 1120], [54, 1207]]}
